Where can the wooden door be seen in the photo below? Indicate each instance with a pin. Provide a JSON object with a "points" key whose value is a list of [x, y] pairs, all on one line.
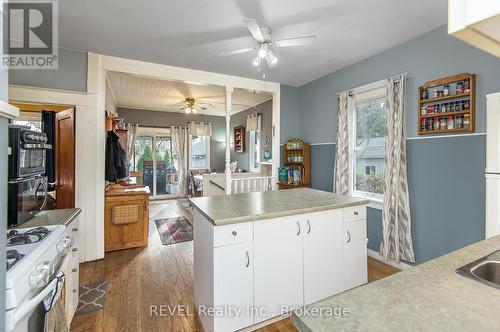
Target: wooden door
{"points": [[323, 255], [278, 266], [233, 285], [65, 159], [355, 254]]}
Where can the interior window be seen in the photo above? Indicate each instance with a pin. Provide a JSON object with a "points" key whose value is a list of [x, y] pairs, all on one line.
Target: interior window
{"points": [[200, 152], [369, 148]]}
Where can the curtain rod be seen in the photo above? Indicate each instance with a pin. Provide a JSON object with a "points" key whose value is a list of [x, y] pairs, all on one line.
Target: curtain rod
{"points": [[396, 77]]}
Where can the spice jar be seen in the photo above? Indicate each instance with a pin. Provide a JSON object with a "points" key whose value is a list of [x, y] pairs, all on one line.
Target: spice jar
{"points": [[460, 87], [425, 94], [450, 123], [442, 123], [446, 90], [434, 93], [466, 121], [467, 86], [458, 122], [436, 124], [444, 108], [423, 110], [466, 104]]}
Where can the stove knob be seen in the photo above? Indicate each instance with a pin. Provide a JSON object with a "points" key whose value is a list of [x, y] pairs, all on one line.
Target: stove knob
{"points": [[64, 245], [40, 276]]}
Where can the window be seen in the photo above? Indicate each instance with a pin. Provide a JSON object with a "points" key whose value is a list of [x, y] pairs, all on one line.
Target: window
{"points": [[199, 147], [369, 143], [255, 151]]}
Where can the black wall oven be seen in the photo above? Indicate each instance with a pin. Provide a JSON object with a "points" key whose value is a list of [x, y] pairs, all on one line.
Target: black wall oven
{"points": [[27, 152], [26, 197], [27, 185]]}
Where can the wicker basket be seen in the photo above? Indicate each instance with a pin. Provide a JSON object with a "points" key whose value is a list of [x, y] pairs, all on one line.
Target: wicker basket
{"points": [[126, 214]]}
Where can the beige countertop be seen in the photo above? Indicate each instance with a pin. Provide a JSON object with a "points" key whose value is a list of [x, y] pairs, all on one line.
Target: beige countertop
{"points": [[428, 297], [232, 209], [52, 217]]}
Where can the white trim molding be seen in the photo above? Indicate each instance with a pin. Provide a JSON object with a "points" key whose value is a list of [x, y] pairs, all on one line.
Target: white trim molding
{"points": [[444, 136], [8, 111], [401, 265]]}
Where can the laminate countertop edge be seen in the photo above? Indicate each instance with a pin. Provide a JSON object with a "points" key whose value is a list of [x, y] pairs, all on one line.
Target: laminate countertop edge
{"points": [[246, 202], [52, 217]]}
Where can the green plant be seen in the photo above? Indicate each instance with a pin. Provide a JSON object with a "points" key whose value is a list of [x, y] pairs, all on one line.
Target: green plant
{"points": [[166, 158], [370, 183], [147, 154]]}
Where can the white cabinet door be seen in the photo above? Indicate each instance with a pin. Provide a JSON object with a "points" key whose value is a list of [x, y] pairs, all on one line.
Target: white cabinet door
{"points": [[355, 254], [323, 255], [492, 206], [233, 286], [278, 266]]}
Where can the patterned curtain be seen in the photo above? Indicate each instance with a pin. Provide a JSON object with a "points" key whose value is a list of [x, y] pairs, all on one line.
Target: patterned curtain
{"points": [[397, 241], [199, 128], [179, 138], [132, 135], [342, 164]]}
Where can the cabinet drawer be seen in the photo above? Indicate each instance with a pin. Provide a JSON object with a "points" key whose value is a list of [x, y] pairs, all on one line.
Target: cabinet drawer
{"points": [[353, 213], [230, 234]]}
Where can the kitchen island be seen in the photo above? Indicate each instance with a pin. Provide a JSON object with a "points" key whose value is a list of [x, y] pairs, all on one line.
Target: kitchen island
{"points": [[259, 255], [428, 297]]}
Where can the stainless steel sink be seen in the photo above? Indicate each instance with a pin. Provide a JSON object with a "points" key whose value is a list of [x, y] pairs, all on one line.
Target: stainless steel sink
{"points": [[485, 270]]}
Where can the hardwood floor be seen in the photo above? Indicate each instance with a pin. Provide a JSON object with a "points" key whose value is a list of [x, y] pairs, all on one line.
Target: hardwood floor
{"points": [[160, 277]]}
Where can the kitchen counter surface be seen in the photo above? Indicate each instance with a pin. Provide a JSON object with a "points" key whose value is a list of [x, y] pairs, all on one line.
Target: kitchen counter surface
{"points": [[428, 297], [52, 217], [121, 190], [232, 209]]}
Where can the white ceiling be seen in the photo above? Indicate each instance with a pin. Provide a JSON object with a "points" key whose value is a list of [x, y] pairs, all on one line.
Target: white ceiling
{"points": [[190, 33], [145, 93]]}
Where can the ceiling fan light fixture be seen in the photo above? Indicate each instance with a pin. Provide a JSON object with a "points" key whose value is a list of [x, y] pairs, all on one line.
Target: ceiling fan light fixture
{"points": [[263, 50], [256, 61], [194, 110], [187, 110], [272, 58]]}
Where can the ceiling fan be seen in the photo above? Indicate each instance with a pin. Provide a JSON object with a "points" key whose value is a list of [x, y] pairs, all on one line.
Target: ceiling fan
{"points": [[191, 106], [266, 46]]}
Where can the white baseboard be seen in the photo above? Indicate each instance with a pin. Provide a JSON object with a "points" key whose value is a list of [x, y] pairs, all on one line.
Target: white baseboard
{"points": [[377, 256], [265, 323]]}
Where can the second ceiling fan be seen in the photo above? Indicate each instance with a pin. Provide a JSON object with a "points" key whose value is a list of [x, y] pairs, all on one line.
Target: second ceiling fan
{"points": [[266, 46]]}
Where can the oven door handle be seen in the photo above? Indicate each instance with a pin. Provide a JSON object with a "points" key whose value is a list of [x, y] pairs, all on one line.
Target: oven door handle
{"points": [[38, 146], [29, 305], [41, 206]]}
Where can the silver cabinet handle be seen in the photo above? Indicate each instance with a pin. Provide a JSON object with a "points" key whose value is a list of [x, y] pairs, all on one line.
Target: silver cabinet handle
{"points": [[298, 228], [356, 213], [75, 249], [75, 229], [348, 237], [308, 227], [234, 233], [75, 290], [74, 270], [248, 258]]}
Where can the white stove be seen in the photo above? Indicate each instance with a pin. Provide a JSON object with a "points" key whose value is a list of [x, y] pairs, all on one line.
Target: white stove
{"points": [[34, 256]]}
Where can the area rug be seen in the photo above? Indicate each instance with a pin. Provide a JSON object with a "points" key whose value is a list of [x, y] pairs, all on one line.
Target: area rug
{"points": [[174, 230], [92, 297]]}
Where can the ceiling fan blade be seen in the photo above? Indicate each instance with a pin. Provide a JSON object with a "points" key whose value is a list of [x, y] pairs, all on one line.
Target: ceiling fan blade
{"points": [[299, 41], [254, 29], [242, 50]]}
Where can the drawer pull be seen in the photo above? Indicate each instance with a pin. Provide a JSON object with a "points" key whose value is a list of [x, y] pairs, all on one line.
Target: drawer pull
{"points": [[75, 229], [74, 270], [75, 249], [298, 228], [308, 226], [348, 237], [235, 233], [356, 213], [75, 290], [248, 259]]}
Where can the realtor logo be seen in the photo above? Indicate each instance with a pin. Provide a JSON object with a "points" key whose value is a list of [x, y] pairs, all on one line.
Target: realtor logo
{"points": [[30, 35]]}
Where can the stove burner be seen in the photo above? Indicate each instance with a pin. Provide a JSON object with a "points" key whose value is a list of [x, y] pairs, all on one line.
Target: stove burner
{"points": [[14, 237], [13, 256]]}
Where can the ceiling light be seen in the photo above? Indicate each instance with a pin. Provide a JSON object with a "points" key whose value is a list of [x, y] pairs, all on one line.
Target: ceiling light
{"points": [[272, 58], [263, 50], [194, 110], [257, 60], [187, 110]]}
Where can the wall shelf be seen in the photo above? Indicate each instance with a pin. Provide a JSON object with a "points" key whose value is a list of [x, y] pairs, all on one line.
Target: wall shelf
{"points": [[459, 105]]}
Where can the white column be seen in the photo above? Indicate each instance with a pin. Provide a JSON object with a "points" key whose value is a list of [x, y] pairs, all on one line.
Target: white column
{"points": [[229, 91], [276, 139]]}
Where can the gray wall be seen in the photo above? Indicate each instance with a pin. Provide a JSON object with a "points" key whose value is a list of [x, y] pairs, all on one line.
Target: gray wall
{"points": [[290, 112], [446, 175], [147, 118], [240, 119], [71, 74], [425, 58]]}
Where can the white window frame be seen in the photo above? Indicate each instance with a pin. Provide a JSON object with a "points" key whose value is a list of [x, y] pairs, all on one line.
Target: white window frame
{"points": [[372, 91], [208, 154]]}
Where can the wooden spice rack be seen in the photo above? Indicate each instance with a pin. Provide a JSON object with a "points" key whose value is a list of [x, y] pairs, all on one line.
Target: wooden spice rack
{"points": [[462, 103], [239, 139], [303, 164]]}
